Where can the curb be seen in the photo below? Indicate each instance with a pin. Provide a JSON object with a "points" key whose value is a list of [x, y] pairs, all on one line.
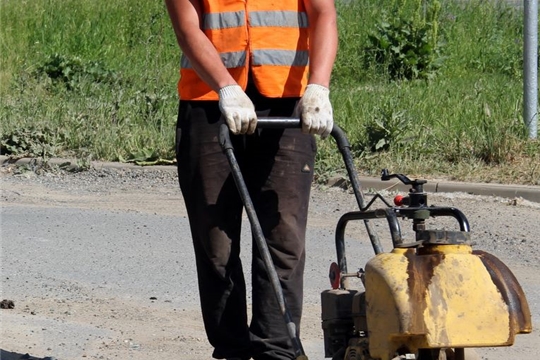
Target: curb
{"points": [[530, 193], [527, 192]]}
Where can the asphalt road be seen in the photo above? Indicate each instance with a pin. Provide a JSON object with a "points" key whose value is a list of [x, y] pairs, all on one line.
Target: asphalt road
{"points": [[99, 264]]}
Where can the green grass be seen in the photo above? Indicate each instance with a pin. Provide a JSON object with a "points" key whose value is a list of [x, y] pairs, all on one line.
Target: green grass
{"points": [[130, 45], [97, 80]]}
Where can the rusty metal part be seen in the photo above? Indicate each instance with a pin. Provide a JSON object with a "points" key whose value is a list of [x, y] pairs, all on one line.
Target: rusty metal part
{"points": [[429, 298], [511, 291]]}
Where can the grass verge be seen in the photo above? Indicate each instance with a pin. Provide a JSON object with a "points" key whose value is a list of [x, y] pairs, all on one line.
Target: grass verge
{"points": [[96, 80]]}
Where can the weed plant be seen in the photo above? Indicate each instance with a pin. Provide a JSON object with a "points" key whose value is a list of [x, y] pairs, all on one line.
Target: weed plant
{"points": [[96, 79]]}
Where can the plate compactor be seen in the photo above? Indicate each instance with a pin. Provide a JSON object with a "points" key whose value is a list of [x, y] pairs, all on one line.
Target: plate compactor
{"points": [[430, 298]]}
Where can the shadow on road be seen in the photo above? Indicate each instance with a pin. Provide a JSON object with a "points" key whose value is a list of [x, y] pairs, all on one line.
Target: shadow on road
{"points": [[8, 355]]}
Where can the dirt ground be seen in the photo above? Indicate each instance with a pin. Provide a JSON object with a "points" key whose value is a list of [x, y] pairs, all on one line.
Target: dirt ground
{"points": [[98, 264]]}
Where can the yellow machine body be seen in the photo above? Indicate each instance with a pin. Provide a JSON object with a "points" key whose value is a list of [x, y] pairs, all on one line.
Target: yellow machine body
{"points": [[441, 296]]}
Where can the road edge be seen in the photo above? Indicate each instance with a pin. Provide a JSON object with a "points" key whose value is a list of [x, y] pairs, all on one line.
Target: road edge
{"points": [[527, 192]]}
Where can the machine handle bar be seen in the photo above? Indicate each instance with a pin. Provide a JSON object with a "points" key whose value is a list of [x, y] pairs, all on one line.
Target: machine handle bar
{"points": [[344, 148]]}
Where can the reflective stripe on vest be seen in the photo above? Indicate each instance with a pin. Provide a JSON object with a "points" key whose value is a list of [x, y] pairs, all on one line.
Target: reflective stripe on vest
{"points": [[278, 19], [277, 52], [260, 57], [224, 20], [230, 60]]}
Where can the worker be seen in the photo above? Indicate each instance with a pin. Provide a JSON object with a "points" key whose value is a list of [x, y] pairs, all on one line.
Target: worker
{"points": [[242, 60]]}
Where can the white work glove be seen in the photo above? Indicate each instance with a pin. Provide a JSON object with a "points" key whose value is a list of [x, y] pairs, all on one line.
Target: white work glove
{"points": [[315, 111], [237, 109]]}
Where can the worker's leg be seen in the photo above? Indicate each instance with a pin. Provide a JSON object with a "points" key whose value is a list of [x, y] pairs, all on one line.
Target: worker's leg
{"points": [[280, 177], [214, 210]]}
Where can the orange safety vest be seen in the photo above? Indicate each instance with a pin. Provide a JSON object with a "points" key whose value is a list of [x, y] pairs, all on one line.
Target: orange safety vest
{"points": [[269, 37]]}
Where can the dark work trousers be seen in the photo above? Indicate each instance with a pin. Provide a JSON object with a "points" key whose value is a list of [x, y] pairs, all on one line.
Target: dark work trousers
{"points": [[277, 166]]}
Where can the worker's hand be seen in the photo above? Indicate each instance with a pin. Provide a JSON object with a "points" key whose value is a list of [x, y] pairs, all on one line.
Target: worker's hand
{"points": [[237, 109], [315, 111]]}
